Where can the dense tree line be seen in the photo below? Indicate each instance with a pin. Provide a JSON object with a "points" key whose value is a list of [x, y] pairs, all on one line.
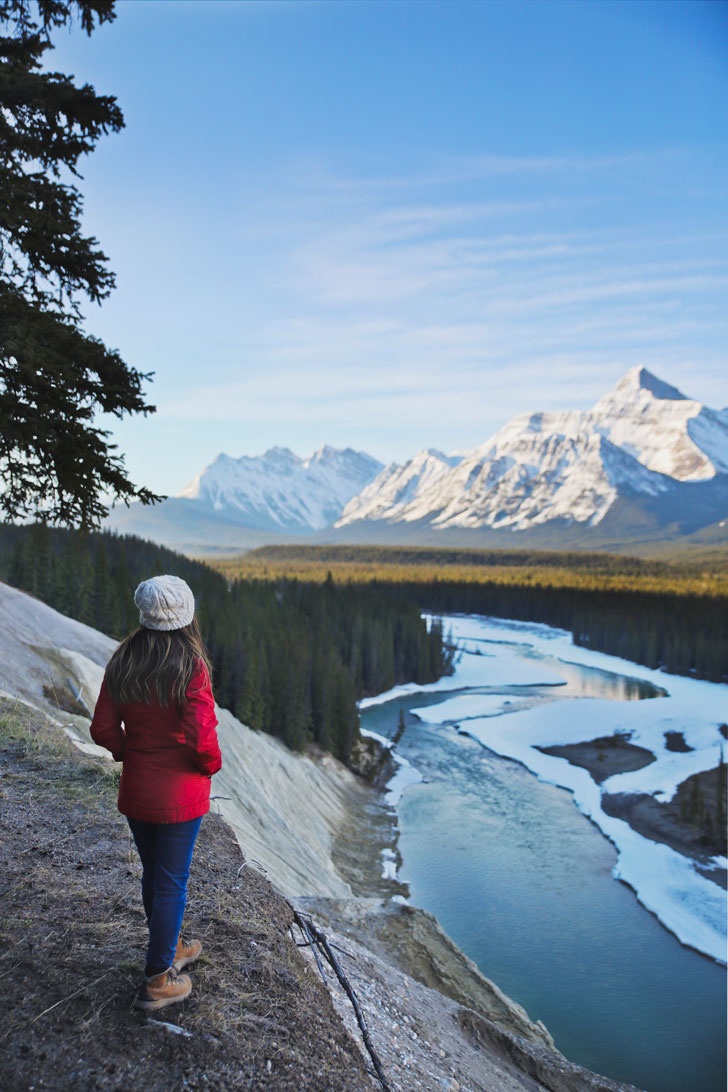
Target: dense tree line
{"points": [[702, 802], [291, 658], [439, 556], [652, 612], [682, 634]]}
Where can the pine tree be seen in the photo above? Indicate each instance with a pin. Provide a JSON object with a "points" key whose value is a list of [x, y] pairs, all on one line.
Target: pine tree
{"points": [[54, 378]]}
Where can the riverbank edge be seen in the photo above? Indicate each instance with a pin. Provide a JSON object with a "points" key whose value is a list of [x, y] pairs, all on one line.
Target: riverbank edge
{"points": [[409, 940], [377, 906]]}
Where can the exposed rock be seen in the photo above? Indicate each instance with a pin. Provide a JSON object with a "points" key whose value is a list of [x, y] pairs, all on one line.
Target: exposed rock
{"points": [[675, 741], [550, 1070]]}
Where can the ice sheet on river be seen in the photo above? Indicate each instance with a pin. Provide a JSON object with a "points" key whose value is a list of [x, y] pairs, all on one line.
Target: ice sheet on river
{"points": [[666, 882], [466, 707], [485, 667]]}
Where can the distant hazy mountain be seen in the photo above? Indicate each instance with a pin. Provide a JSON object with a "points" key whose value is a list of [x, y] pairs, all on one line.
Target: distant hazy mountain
{"points": [[640, 441], [251, 500], [644, 463], [279, 490]]}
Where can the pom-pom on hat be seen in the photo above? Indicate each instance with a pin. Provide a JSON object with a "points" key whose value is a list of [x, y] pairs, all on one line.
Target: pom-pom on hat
{"points": [[165, 602]]}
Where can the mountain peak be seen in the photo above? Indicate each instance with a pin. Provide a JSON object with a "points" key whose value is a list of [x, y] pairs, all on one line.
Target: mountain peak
{"points": [[280, 491], [434, 453], [277, 452], [326, 451], [640, 379], [328, 454], [659, 426], [641, 441]]}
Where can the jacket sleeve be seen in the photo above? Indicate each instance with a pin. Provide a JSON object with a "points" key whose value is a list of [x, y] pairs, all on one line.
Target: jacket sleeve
{"points": [[106, 727], [199, 723]]}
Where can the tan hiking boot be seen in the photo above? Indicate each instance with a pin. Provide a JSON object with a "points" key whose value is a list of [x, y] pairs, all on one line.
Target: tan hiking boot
{"points": [[163, 989], [187, 952]]}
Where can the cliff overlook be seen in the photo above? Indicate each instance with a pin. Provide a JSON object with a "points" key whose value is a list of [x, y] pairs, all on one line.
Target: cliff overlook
{"points": [[72, 930]]}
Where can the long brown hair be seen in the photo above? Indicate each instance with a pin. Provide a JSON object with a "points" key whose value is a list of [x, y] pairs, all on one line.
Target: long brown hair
{"points": [[154, 664]]}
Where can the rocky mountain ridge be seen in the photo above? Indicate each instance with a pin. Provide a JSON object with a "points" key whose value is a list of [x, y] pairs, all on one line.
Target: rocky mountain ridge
{"points": [[637, 441], [645, 462], [280, 491]]}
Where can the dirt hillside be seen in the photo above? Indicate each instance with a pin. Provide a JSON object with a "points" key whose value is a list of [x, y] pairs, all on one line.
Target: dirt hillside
{"points": [[72, 938]]}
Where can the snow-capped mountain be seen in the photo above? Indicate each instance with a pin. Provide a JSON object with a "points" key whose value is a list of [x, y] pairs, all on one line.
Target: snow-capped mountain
{"points": [[662, 428], [644, 463], [390, 494], [638, 441], [279, 490]]}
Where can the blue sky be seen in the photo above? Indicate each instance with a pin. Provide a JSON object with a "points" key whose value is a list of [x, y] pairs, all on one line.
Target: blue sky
{"points": [[395, 225]]}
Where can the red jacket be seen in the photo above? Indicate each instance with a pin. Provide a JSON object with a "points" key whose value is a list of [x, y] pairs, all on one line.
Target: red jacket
{"points": [[169, 757]]}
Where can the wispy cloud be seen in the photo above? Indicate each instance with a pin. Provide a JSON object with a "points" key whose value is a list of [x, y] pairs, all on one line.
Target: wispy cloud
{"points": [[464, 169], [406, 307]]}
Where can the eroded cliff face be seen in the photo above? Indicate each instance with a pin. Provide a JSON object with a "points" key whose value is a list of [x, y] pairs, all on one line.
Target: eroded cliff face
{"points": [[286, 809], [414, 941]]}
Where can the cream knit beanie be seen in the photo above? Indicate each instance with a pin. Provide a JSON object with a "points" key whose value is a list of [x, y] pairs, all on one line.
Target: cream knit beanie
{"points": [[165, 602]]}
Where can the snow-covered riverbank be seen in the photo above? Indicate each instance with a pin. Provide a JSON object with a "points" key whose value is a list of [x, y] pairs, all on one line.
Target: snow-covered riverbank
{"points": [[500, 655]]}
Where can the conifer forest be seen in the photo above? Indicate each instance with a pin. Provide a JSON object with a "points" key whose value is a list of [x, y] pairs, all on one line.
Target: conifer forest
{"points": [[294, 647], [660, 614], [289, 657]]}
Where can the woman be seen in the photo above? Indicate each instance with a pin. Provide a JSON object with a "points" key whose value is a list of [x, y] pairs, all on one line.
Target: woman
{"points": [[157, 685]]}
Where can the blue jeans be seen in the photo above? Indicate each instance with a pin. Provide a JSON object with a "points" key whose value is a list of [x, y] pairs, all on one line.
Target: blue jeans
{"points": [[166, 853]]}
